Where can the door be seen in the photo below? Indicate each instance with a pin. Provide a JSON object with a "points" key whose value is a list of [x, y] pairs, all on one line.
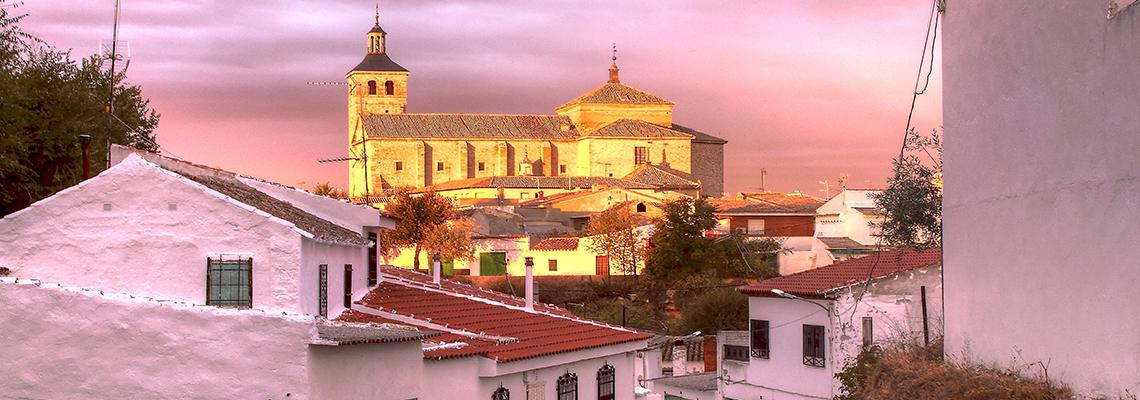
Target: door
{"points": [[602, 265], [492, 263]]}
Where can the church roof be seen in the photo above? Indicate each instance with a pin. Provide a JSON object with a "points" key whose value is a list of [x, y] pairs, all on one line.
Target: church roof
{"points": [[477, 126], [662, 177], [636, 128], [698, 136], [379, 62], [617, 93], [534, 182]]}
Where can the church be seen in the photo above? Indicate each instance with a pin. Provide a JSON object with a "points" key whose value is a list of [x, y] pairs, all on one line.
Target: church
{"points": [[613, 135]]}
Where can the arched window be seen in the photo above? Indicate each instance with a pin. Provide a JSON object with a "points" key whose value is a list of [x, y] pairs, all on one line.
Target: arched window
{"points": [[389, 88], [640, 207], [371, 87], [501, 394], [568, 387], [606, 382]]}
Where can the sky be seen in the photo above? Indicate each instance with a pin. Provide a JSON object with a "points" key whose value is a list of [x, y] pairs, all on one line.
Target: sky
{"points": [[808, 90]]}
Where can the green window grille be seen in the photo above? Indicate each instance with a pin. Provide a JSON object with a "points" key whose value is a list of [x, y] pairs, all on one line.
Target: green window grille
{"points": [[229, 282]]}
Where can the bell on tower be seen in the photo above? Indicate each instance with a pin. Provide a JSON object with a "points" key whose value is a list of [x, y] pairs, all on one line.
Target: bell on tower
{"points": [[376, 36]]}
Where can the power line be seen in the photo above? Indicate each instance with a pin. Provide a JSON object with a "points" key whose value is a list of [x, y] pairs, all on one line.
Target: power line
{"points": [[931, 25]]}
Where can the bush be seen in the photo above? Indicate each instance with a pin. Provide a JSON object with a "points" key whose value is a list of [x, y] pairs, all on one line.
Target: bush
{"points": [[638, 315], [713, 311], [918, 373]]}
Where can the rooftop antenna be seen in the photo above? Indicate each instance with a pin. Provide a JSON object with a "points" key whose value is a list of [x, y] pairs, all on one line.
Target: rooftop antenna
{"points": [[763, 173], [111, 53], [613, 66]]}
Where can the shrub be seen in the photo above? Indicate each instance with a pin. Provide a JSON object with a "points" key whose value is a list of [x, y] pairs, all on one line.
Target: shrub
{"points": [[713, 311]]}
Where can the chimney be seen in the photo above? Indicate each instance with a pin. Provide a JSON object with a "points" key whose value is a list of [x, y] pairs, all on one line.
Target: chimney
{"points": [[85, 143], [529, 283], [435, 269], [680, 358]]}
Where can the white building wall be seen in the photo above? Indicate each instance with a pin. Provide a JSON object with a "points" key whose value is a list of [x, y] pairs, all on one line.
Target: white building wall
{"points": [[1041, 117], [341, 212], [386, 371], [66, 344], [461, 378], [316, 253], [784, 375], [138, 229], [838, 217]]}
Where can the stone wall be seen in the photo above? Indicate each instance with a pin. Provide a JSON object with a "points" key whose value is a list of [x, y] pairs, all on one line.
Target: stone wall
{"points": [[708, 168]]}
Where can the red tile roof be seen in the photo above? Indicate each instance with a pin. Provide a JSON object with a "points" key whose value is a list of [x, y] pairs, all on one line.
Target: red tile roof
{"points": [[768, 203], [557, 244], [815, 283], [487, 323]]}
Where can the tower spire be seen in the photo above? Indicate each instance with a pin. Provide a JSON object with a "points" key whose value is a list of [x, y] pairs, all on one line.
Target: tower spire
{"points": [[613, 66], [376, 36], [377, 14]]}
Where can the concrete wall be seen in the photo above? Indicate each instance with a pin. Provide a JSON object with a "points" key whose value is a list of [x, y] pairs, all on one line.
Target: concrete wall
{"points": [[138, 229], [372, 371], [80, 344], [1040, 112]]}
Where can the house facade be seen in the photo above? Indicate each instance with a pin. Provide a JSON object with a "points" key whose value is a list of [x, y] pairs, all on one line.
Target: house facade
{"points": [[849, 223], [804, 327], [1039, 209], [786, 217]]}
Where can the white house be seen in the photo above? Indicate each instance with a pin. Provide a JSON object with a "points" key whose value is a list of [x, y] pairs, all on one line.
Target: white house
{"points": [[1042, 119], [502, 347], [804, 327], [848, 224]]}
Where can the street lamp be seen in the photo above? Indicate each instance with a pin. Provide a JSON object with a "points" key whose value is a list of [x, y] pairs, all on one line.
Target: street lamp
{"points": [[787, 295]]}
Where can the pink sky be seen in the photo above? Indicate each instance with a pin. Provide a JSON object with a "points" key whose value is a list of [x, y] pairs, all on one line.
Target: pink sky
{"points": [[807, 89]]}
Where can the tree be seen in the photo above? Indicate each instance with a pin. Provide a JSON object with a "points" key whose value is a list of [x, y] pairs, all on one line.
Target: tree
{"points": [[749, 257], [46, 101], [613, 233], [451, 240], [678, 246], [416, 217], [328, 190], [714, 311], [912, 201]]}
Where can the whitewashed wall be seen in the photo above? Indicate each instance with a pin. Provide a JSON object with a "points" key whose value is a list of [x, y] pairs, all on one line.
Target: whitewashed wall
{"points": [[153, 240], [308, 275], [462, 378], [60, 344], [849, 222], [1042, 122], [784, 375], [388, 371]]}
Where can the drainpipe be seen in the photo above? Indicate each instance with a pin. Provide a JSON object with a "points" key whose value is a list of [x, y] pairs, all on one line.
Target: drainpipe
{"points": [[529, 283], [436, 269]]}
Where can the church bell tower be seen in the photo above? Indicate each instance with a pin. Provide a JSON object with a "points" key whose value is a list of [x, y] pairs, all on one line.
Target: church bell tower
{"points": [[377, 85]]}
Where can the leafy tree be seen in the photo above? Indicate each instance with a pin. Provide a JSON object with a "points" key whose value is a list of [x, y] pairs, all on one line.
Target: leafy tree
{"points": [[328, 190], [416, 217], [912, 201], [47, 100], [713, 311], [746, 257], [452, 240], [613, 233], [678, 246]]}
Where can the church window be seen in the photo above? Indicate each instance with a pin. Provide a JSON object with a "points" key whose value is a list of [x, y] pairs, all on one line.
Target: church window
{"points": [[399, 165], [389, 88], [371, 87], [640, 155], [439, 166], [562, 169], [482, 166], [640, 207]]}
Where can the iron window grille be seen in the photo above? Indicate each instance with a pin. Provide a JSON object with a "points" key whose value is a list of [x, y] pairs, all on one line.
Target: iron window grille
{"points": [[814, 355], [760, 334], [348, 286], [501, 393], [736, 353], [229, 282], [372, 258], [606, 382], [568, 386], [323, 291], [640, 155]]}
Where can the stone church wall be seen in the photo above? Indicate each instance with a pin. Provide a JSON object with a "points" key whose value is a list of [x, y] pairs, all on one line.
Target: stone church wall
{"points": [[708, 168]]}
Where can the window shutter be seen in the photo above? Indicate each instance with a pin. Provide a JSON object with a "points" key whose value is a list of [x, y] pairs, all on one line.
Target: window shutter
{"points": [[348, 286]]}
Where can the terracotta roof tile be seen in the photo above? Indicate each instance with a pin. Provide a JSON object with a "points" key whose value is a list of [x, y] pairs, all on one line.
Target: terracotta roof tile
{"points": [[617, 93], [844, 243], [815, 283], [557, 244], [474, 126], [661, 176], [769, 203], [534, 182], [490, 324], [636, 128], [698, 136]]}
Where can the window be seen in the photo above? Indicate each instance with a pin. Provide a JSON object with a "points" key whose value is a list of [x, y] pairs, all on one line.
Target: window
{"points": [[568, 387], [759, 334], [323, 291], [372, 88], [868, 332], [553, 264], [736, 353], [640, 155], [813, 346], [640, 207], [602, 265], [755, 227], [606, 382], [536, 391], [562, 168], [372, 258], [228, 282], [501, 393], [439, 166], [348, 286], [482, 166], [399, 165], [389, 88]]}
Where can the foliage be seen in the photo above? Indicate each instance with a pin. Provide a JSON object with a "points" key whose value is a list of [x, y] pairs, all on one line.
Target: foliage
{"points": [[679, 247], [452, 240], [328, 190], [416, 217], [713, 311], [746, 257], [912, 200], [612, 233], [637, 315], [919, 373], [47, 100]]}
